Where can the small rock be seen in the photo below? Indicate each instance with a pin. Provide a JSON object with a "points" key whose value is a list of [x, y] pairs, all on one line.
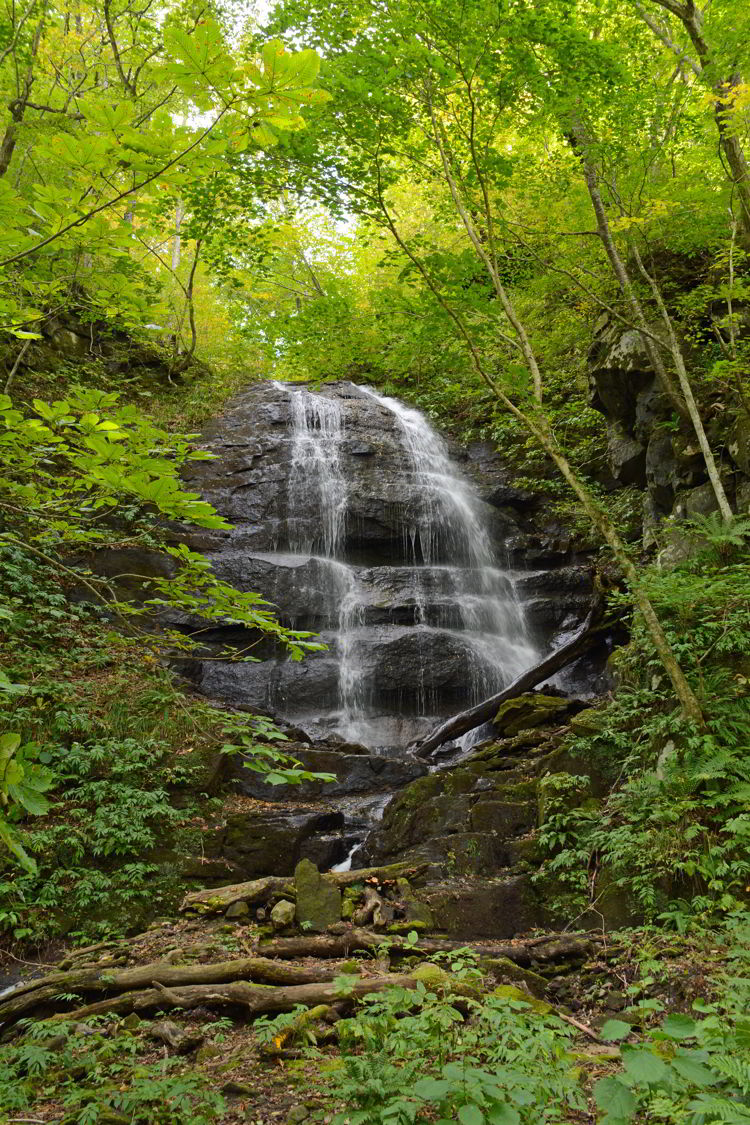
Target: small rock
{"points": [[237, 910], [234, 1089], [406, 927], [297, 1114], [282, 914], [132, 1021], [205, 1054], [616, 1001]]}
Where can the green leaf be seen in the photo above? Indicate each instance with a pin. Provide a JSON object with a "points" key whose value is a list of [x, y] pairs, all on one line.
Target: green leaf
{"points": [[304, 67], [613, 1096], [14, 845], [614, 1030], [644, 1066], [9, 743], [431, 1089], [679, 1026], [470, 1115], [33, 802], [503, 1114], [693, 1071], [276, 60]]}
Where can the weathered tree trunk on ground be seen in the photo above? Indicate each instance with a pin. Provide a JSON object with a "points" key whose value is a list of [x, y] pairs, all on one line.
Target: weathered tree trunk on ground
{"points": [[551, 947], [468, 720], [41, 992], [256, 1000]]}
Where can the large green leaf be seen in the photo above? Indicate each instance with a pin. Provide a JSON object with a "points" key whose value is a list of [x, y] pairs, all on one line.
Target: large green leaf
{"points": [[679, 1026], [470, 1115], [614, 1097], [644, 1066], [614, 1030], [304, 67], [11, 841], [431, 1089], [694, 1071]]}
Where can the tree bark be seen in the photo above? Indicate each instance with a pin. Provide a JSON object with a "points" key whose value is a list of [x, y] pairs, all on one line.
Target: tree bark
{"points": [[473, 717], [256, 1000], [41, 992], [522, 951]]}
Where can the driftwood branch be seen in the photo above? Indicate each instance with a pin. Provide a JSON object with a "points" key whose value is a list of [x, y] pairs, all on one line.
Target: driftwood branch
{"points": [[585, 638]]}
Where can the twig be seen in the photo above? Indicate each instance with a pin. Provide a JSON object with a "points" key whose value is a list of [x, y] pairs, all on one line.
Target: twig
{"points": [[581, 1026], [14, 368]]}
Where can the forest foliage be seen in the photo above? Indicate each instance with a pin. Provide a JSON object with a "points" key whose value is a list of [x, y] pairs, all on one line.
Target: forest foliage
{"points": [[441, 198]]}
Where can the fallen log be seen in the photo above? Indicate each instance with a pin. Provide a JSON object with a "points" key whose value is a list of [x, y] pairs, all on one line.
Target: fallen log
{"points": [[218, 899], [43, 990], [585, 638], [554, 948], [256, 1000]]}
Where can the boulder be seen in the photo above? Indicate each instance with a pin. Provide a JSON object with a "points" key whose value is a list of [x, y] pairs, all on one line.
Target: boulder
{"points": [[627, 457], [318, 901], [283, 914], [491, 908], [262, 842], [530, 711]]}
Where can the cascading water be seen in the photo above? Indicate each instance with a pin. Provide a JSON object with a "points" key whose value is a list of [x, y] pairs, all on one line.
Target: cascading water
{"points": [[457, 587], [351, 519]]}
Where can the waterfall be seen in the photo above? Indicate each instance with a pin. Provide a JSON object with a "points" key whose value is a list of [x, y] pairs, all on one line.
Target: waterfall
{"points": [[315, 475], [448, 522], [462, 599]]}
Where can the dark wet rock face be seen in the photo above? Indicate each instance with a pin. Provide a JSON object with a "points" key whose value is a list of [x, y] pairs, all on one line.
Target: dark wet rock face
{"points": [[353, 520], [648, 446]]}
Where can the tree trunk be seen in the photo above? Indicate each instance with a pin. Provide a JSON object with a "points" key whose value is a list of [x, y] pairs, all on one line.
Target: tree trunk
{"points": [[41, 992], [522, 951], [256, 1000]]}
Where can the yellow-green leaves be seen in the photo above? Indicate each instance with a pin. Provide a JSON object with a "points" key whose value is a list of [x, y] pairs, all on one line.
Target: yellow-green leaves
{"points": [[23, 783]]}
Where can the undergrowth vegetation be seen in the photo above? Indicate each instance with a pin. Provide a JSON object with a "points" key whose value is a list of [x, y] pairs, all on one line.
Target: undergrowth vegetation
{"points": [[671, 827]]}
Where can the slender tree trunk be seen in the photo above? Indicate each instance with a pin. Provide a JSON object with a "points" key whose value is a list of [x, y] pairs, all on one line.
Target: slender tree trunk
{"points": [[18, 106], [691, 17], [176, 242], [687, 390], [538, 426], [689, 405]]}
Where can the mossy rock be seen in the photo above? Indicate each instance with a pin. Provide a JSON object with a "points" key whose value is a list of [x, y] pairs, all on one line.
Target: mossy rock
{"points": [[512, 992], [589, 721], [508, 972], [318, 901], [405, 927], [529, 711]]}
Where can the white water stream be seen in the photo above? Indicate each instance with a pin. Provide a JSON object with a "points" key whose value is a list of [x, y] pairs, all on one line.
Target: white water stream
{"points": [[446, 533]]}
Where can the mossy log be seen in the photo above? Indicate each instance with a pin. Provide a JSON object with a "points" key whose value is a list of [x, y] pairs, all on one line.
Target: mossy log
{"points": [[554, 947], [41, 993], [254, 999], [218, 899]]}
